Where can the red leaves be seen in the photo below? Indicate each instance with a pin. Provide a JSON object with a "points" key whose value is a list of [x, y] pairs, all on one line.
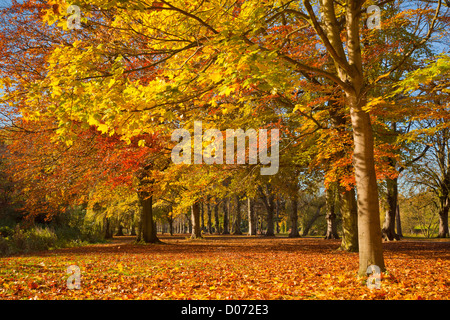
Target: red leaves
{"points": [[157, 4], [32, 285]]}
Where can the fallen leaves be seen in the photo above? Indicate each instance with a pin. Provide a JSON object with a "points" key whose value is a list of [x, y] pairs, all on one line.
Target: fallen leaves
{"points": [[227, 268]]}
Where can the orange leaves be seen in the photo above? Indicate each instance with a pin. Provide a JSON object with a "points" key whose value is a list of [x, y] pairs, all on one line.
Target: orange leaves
{"points": [[228, 268]]}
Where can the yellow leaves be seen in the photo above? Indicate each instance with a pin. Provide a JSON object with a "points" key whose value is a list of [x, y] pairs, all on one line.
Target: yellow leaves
{"points": [[215, 77], [111, 83], [141, 143], [301, 108], [103, 128], [92, 120]]}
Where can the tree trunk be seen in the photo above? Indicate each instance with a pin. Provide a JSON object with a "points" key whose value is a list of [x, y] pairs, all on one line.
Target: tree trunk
{"points": [[216, 218], [108, 231], [268, 201], [398, 221], [139, 231], [270, 223], [443, 217], [369, 229], [208, 213], [170, 226], [294, 218], [237, 220], [133, 224], [349, 213], [195, 218], [148, 225], [277, 218], [351, 74], [202, 217], [252, 223], [388, 231], [226, 216], [189, 220], [331, 215]]}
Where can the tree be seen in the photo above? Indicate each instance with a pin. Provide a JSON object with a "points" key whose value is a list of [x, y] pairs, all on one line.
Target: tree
{"points": [[294, 218], [237, 220], [331, 215], [195, 218], [252, 219], [228, 50]]}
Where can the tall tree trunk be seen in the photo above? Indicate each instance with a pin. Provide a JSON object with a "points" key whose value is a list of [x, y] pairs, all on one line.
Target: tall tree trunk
{"points": [[277, 219], [195, 219], [148, 225], [133, 224], [268, 201], [108, 232], [369, 229], [189, 220], [170, 226], [331, 215], [443, 217], [237, 220], [208, 213], [294, 218], [216, 218], [398, 221], [349, 213], [226, 213], [270, 223], [252, 223], [139, 231], [202, 217], [349, 68], [388, 230]]}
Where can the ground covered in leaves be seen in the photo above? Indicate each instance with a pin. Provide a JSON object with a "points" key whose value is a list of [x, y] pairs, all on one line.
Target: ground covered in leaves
{"points": [[227, 267]]}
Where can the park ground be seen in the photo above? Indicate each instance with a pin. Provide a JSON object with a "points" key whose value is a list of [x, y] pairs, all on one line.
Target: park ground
{"points": [[227, 267]]}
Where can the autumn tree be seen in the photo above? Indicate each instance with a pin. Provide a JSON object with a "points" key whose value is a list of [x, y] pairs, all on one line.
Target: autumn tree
{"points": [[153, 66]]}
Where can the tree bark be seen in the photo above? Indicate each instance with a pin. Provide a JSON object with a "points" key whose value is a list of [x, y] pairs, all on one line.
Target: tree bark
{"points": [[349, 213], [443, 217], [208, 213], [294, 218], [277, 218], [195, 219], [252, 223], [202, 216], [108, 231], [369, 229], [331, 215], [148, 225], [237, 220], [388, 230], [133, 224], [225, 217], [170, 226], [398, 221], [189, 220], [268, 201], [216, 218]]}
